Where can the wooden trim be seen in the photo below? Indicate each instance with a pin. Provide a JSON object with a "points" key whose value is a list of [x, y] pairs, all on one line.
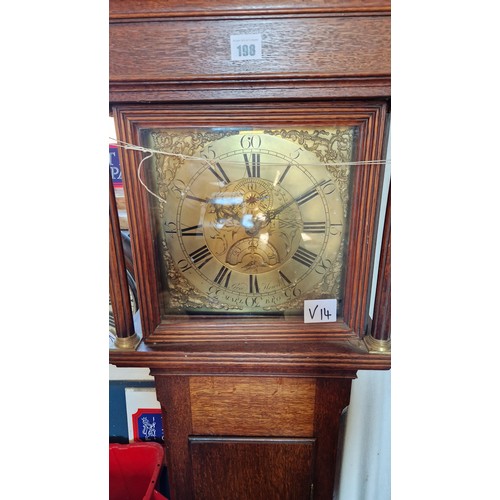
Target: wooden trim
{"points": [[173, 394], [254, 329], [275, 90], [330, 394], [147, 9], [362, 237], [306, 359], [141, 236]]}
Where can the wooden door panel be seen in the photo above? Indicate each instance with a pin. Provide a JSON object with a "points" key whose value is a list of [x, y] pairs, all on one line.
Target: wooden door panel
{"points": [[259, 406], [228, 468]]}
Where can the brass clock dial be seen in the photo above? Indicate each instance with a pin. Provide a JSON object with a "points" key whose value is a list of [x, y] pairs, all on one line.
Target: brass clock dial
{"points": [[256, 222]]}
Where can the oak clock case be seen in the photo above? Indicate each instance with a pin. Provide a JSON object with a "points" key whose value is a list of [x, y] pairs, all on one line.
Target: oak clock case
{"points": [[250, 221]]}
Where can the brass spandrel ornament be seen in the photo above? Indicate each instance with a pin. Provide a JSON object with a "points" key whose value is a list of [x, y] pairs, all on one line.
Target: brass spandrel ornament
{"points": [[253, 221]]}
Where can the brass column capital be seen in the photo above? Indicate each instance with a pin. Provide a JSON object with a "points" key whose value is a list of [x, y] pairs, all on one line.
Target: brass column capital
{"points": [[127, 343], [376, 346]]}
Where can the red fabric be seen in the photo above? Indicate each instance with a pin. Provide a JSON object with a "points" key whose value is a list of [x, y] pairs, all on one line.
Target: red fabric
{"points": [[133, 471]]}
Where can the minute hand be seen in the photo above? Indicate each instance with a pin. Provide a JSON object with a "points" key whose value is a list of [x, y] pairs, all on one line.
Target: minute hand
{"points": [[303, 198]]}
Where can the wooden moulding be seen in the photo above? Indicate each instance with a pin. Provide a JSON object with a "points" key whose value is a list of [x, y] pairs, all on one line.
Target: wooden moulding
{"points": [[311, 359], [131, 9]]}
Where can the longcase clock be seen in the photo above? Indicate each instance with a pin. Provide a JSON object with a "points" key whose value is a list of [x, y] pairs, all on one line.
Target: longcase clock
{"points": [[253, 183]]}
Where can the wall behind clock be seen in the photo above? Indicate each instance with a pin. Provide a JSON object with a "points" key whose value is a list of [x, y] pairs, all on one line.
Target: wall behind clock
{"points": [[366, 459]]}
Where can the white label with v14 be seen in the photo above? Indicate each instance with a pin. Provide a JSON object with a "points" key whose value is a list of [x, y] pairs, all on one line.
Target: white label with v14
{"points": [[320, 311]]}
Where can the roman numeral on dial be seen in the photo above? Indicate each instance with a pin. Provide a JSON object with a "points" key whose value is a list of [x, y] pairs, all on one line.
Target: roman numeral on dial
{"points": [[188, 231], [252, 166], [284, 278], [314, 227], [304, 256], [282, 177], [202, 255], [192, 231], [218, 171], [312, 193], [309, 195], [224, 272], [253, 284]]}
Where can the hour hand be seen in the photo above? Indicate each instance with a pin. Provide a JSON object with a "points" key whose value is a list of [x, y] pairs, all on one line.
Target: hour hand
{"points": [[273, 213], [303, 198]]}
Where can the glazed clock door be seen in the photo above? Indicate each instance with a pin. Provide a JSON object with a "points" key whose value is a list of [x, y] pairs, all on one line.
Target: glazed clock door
{"points": [[242, 214]]}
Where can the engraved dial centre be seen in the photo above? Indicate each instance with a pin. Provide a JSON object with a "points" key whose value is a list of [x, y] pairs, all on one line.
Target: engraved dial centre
{"points": [[240, 231]]}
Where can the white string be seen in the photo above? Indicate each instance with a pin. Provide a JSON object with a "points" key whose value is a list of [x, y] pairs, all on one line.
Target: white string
{"points": [[143, 183], [151, 152], [126, 145]]}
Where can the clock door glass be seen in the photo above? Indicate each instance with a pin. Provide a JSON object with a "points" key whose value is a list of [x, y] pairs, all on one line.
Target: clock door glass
{"points": [[249, 221]]}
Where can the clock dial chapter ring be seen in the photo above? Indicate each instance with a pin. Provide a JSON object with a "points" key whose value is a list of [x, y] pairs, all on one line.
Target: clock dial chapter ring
{"points": [[252, 229]]}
